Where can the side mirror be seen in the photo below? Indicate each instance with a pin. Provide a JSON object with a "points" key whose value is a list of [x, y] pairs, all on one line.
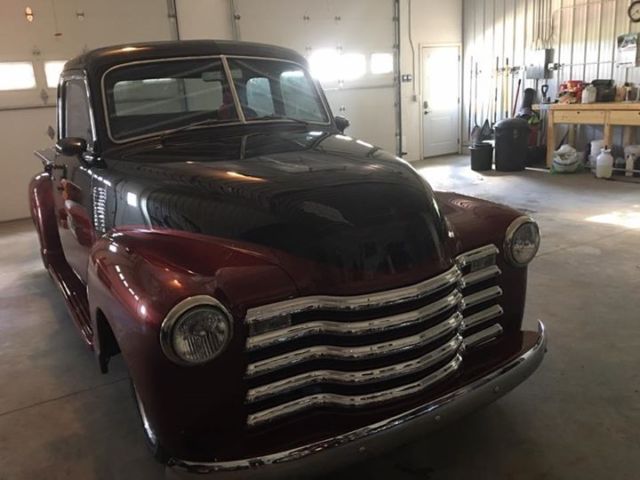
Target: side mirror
{"points": [[71, 146], [342, 123]]}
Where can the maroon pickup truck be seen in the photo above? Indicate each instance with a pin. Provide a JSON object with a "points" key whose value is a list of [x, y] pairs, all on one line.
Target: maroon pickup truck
{"points": [[286, 298]]}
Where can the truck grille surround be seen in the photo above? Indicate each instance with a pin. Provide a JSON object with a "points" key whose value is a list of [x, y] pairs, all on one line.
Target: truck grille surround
{"points": [[365, 350]]}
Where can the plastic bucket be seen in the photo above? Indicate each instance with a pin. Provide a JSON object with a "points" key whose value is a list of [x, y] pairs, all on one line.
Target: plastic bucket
{"points": [[481, 157]]}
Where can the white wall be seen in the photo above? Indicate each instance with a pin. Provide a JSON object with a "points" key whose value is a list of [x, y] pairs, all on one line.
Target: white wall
{"points": [[102, 23], [582, 34], [433, 22]]}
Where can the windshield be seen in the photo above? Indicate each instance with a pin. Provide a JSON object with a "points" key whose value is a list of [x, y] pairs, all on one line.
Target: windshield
{"points": [[270, 89], [151, 98]]}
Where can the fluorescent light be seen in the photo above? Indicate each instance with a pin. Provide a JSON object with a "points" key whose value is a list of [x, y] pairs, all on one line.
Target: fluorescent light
{"points": [[17, 76], [52, 71]]}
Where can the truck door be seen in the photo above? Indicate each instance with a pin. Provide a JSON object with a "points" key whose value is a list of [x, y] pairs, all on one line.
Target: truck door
{"points": [[72, 176]]}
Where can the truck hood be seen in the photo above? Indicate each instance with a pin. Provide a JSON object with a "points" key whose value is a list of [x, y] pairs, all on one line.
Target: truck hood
{"points": [[335, 211]]}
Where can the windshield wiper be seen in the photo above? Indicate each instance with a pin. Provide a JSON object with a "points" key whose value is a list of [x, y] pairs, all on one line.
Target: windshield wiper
{"points": [[184, 128], [280, 117]]}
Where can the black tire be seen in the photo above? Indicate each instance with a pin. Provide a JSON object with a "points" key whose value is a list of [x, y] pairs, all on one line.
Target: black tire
{"points": [[158, 452]]}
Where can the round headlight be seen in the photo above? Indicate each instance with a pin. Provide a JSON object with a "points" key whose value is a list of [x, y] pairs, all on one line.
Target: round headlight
{"points": [[196, 331], [522, 241]]}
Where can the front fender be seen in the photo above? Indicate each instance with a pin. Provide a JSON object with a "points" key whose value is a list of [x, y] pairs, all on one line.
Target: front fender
{"points": [[135, 278], [476, 222], [42, 207]]}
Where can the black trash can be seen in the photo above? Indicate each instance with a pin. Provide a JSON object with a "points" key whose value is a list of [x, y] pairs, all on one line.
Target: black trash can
{"points": [[481, 156], [512, 138]]}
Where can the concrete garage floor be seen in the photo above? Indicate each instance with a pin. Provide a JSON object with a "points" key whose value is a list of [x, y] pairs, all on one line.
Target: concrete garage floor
{"points": [[578, 417]]}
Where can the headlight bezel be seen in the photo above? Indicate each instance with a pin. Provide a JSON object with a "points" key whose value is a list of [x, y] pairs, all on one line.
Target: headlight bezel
{"points": [[510, 237], [176, 313]]}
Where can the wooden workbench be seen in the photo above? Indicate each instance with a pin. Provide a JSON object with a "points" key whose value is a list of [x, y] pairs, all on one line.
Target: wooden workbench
{"points": [[607, 114]]}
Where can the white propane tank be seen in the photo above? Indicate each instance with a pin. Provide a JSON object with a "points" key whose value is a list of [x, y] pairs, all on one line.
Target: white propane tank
{"points": [[604, 164]]}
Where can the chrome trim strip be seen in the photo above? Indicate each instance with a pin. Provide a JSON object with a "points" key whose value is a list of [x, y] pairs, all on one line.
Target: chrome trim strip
{"points": [[346, 448], [356, 302], [480, 276], [331, 399], [483, 316], [483, 336], [359, 377], [481, 296], [355, 353], [471, 256], [319, 327], [174, 314]]}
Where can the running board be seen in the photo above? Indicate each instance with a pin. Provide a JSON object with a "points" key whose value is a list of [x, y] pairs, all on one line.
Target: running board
{"points": [[75, 296]]}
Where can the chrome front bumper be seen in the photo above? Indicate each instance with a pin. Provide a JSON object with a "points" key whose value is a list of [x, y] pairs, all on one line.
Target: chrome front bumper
{"points": [[373, 439]]}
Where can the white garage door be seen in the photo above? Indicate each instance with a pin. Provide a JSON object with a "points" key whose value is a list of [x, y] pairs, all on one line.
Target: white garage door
{"points": [[349, 45]]}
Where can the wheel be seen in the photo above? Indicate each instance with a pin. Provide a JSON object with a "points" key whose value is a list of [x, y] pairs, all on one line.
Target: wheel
{"points": [[158, 452]]}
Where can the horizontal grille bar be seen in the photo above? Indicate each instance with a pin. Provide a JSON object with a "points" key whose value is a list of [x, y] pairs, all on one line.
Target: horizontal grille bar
{"points": [[367, 327], [357, 378], [494, 311], [356, 353], [478, 254], [480, 276], [356, 302], [330, 399], [483, 336], [481, 297]]}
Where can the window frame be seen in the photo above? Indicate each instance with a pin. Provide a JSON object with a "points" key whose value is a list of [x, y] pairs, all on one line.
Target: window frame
{"points": [[231, 81], [65, 77]]}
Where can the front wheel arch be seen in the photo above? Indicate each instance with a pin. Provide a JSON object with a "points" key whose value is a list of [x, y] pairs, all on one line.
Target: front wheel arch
{"points": [[106, 344]]}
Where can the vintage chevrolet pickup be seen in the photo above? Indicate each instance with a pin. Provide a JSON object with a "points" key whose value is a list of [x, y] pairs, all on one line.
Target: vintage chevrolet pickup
{"points": [[286, 298]]}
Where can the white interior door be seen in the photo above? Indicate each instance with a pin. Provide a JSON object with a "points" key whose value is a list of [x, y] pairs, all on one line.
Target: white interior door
{"points": [[441, 100]]}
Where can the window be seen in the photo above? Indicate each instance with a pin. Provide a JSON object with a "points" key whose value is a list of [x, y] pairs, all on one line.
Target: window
{"points": [[381, 63], [155, 97], [259, 97], [283, 89], [324, 65], [327, 65], [352, 66], [17, 76], [77, 121], [52, 71]]}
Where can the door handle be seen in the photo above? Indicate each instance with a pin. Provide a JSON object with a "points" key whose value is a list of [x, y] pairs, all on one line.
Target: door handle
{"points": [[425, 105]]}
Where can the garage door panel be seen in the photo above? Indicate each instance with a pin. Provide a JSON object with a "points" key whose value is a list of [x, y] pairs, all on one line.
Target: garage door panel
{"points": [[367, 110], [363, 27]]}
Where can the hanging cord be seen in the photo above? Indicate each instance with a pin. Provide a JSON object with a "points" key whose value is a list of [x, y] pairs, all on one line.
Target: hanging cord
{"points": [[413, 55]]}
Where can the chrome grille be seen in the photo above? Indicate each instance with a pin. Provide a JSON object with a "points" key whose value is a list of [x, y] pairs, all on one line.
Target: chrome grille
{"points": [[368, 349]]}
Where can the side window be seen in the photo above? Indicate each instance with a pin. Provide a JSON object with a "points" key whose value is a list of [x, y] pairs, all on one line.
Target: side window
{"points": [[77, 122], [259, 96]]}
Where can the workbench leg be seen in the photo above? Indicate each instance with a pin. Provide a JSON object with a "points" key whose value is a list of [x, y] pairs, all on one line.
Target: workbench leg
{"points": [[606, 136], [571, 138], [627, 136], [551, 138]]}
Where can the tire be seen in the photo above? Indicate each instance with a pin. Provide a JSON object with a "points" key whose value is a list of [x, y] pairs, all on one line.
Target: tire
{"points": [[158, 452]]}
